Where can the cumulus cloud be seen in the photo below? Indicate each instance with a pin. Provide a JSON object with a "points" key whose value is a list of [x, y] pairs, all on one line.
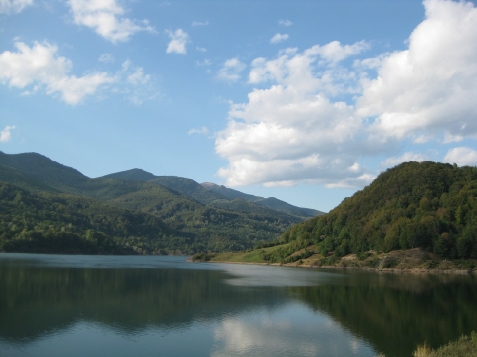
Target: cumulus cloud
{"points": [[40, 68], [278, 37], [202, 130], [178, 42], [6, 134], [106, 18], [291, 131], [429, 90], [461, 156], [408, 156], [315, 69], [231, 70], [14, 6], [314, 117]]}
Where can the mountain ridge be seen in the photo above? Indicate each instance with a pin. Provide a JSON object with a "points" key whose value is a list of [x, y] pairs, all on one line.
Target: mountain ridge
{"points": [[190, 217], [198, 191], [270, 202]]}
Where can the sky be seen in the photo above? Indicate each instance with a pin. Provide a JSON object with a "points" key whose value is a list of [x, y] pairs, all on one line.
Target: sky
{"points": [[306, 101]]}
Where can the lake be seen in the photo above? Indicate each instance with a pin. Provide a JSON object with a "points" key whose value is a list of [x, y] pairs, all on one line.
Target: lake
{"points": [[59, 305]]}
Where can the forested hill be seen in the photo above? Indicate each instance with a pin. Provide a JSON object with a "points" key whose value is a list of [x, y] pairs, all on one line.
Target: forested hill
{"points": [[40, 168], [428, 205], [217, 195], [270, 202], [49, 207]]}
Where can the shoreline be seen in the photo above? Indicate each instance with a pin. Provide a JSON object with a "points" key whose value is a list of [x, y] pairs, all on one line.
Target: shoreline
{"points": [[413, 261], [368, 269]]}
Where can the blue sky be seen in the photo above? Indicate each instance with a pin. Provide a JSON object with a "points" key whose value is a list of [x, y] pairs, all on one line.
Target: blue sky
{"points": [[306, 101]]}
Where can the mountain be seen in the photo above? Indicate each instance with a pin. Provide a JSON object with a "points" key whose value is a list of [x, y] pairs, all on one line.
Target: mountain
{"points": [[43, 170], [188, 188], [228, 192], [218, 196], [180, 215], [270, 202], [134, 174], [10, 174], [428, 205]]}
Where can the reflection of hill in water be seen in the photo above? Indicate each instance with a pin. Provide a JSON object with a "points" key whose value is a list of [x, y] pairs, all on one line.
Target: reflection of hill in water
{"points": [[395, 313], [392, 312], [36, 301]]}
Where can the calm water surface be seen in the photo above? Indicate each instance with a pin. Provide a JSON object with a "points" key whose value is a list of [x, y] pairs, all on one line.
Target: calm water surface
{"points": [[57, 305]]}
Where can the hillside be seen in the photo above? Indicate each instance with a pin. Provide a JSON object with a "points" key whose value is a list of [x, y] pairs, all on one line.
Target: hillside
{"points": [[60, 223], [413, 216], [187, 217], [220, 196], [427, 205], [184, 186], [43, 170], [271, 202]]}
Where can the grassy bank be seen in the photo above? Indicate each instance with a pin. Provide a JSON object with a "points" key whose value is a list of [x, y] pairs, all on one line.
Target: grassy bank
{"points": [[397, 260], [466, 346]]}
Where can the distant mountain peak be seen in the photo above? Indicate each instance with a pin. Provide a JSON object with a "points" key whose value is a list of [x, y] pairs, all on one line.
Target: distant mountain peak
{"points": [[133, 174], [208, 184]]}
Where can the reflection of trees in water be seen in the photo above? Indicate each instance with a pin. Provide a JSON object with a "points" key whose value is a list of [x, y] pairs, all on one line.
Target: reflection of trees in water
{"points": [[392, 312], [397, 312], [35, 301]]}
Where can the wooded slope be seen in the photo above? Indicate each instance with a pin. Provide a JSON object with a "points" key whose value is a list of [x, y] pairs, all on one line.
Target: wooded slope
{"points": [[49, 207], [428, 205]]}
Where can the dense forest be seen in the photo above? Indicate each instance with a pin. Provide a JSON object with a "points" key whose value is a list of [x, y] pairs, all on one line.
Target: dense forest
{"points": [[428, 205], [51, 208]]}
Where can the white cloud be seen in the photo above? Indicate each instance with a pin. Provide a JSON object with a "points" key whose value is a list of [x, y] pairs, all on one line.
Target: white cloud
{"points": [[299, 69], [203, 130], [335, 52], [285, 23], [107, 58], [201, 49], [408, 156], [449, 138], [461, 156], [178, 42], [231, 70], [198, 23], [107, 19], [41, 66], [428, 90], [135, 75], [14, 6], [296, 126], [291, 131], [277, 38], [136, 85], [6, 134]]}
